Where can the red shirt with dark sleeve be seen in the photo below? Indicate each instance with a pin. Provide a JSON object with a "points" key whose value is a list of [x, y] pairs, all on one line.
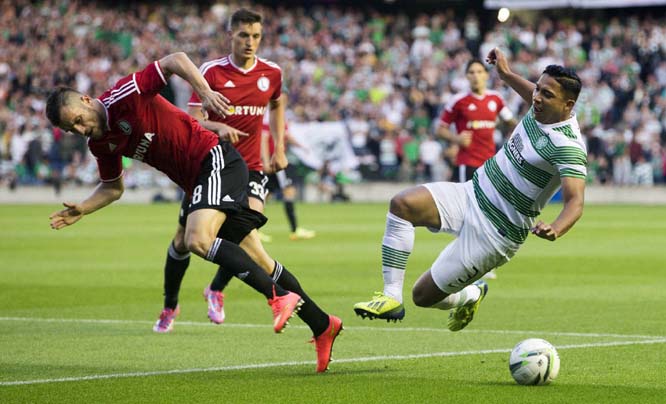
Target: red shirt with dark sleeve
{"points": [[146, 127], [249, 92], [478, 114]]}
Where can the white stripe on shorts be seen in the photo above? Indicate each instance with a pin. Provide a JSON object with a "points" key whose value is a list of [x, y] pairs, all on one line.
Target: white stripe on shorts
{"points": [[215, 178]]}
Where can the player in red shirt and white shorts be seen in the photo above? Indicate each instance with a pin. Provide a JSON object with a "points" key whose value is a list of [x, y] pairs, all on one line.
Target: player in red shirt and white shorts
{"points": [[474, 114], [131, 119]]}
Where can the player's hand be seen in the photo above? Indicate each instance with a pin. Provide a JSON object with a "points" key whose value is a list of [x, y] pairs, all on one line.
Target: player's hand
{"points": [[544, 231], [268, 168], [496, 57], [216, 102], [229, 134], [465, 139], [66, 217], [278, 161]]}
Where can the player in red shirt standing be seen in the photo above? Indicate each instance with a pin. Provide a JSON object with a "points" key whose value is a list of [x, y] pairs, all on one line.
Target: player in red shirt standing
{"points": [[250, 83], [133, 120], [474, 114]]}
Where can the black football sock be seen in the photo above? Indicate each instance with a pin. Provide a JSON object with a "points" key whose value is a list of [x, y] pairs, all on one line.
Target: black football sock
{"points": [[291, 215], [232, 259], [310, 313], [174, 271], [221, 280]]}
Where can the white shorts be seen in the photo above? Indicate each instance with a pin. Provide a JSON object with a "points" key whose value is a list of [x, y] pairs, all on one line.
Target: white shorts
{"points": [[478, 247]]}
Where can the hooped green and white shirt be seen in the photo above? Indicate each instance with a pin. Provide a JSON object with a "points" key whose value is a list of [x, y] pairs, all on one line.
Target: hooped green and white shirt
{"points": [[513, 187]]}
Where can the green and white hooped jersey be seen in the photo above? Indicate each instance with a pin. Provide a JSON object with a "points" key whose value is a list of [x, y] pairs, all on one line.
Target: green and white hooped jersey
{"points": [[512, 187]]}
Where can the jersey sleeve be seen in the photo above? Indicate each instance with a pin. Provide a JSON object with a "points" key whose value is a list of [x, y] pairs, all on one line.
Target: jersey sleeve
{"points": [[448, 115], [504, 112], [110, 167], [278, 87], [194, 101], [150, 80], [570, 161]]}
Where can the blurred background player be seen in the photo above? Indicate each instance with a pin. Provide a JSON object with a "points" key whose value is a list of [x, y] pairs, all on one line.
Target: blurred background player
{"points": [[474, 113], [491, 215], [250, 83], [280, 183]]}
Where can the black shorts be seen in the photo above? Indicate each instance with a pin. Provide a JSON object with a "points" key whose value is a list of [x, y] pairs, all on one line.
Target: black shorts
{"points": [[256, 186], [278, 181], [221, 182], [463, 173], [238, 225], [221, 185]]}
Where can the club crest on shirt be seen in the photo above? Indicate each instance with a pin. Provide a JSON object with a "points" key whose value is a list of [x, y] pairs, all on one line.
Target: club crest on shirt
{"points": [[263, 83], [125, 127], [541, 142], [492, 105]]}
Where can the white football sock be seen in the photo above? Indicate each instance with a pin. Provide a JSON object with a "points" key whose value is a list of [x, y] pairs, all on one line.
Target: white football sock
{"points": [[469, 294], [397, 244]]}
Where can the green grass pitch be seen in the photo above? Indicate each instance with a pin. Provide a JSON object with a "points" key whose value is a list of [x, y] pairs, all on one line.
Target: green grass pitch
{"points": [[77, 307]]}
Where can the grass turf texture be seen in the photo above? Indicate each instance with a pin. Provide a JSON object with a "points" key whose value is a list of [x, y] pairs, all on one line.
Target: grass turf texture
{"points": [[597, 295]]}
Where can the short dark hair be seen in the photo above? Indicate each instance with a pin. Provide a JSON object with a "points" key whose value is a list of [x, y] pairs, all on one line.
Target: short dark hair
{"points": [[475, 61], [57, 99], [243, 16], [567, 78]]}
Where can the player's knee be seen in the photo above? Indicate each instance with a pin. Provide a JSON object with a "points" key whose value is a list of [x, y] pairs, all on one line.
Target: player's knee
{"points": [[198, 243], [401, 207], [420, 298], [179, 242]]}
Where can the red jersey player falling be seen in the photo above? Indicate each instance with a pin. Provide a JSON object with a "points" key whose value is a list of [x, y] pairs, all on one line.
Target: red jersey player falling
{"points": [[252, 85], [133, 120], [474, 114]]}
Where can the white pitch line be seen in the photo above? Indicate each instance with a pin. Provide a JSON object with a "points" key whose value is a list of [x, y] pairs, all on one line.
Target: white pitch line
{"points": [[302, 363], [359, 328]]}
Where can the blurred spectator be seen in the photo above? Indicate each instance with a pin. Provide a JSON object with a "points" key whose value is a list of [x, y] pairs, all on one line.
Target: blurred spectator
{"points": [[384, 72]]}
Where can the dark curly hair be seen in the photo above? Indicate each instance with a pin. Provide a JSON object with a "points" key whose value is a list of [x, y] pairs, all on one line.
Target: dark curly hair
{"points": [[567, 78]]}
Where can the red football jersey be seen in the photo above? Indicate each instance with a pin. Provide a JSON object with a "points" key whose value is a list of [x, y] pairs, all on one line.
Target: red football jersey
{"points": [[249, 91], [146, 127], [477, 114], [266, 131]]}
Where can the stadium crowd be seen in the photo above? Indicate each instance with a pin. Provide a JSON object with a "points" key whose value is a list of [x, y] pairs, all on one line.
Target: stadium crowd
{"points": [[386, 75]]}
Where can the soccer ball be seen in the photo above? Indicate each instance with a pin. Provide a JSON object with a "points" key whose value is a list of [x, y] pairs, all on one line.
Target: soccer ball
{"points": [[534, 361]]}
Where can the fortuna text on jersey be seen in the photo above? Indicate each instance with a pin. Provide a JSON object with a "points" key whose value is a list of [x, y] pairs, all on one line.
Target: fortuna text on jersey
{"points": [[247, 110], [143, 146]]}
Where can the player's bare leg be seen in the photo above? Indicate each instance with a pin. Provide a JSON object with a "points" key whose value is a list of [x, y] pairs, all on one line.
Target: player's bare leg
{"points": [[411, 207]]}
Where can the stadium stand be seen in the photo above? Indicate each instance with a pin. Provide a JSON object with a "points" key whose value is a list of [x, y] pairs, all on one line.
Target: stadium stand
{"points": [[383, 75]]}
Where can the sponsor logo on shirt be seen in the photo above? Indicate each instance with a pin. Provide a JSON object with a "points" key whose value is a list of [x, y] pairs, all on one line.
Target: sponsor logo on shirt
{"points": [[250, 110], [515, 147], [481, 125], [144, 145]]}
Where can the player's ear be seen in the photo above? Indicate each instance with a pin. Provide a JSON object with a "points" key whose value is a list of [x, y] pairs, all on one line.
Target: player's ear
{"points": [[86, 99]]}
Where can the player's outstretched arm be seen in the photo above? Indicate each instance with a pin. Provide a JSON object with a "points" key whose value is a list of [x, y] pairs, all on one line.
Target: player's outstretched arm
{"points": [[573, 195], [179, 64], [104, 194], [523, 87]]}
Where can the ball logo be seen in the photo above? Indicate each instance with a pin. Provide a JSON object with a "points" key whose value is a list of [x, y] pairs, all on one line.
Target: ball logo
{"points": [[263, 83], [492, 105], [541, 142], [125, 127]]}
